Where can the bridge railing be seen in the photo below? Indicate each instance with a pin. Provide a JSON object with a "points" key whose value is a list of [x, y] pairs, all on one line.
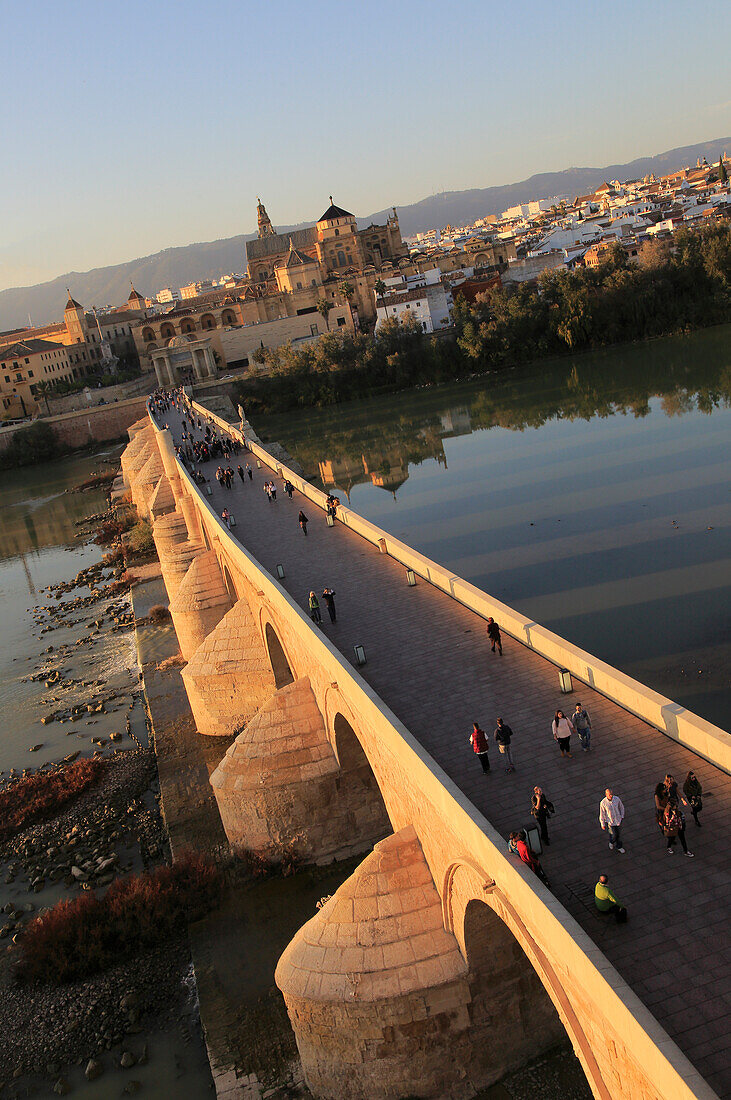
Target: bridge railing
{"points": [[421, 794], [672, 719]]}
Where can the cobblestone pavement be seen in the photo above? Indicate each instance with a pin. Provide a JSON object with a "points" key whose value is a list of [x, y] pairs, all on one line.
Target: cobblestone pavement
{"points": [[429, 659]]}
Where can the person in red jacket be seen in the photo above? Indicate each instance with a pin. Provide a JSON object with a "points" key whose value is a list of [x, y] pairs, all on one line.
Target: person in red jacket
{"points": [[528, 858], [480, 746]]}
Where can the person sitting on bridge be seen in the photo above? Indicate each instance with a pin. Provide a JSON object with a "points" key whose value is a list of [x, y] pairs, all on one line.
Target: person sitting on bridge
{"points": [[606, 902], [527, 857]]}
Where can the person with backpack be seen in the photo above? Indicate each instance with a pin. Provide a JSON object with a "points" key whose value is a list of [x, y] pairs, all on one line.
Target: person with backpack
{"points": [[480, 747], [315, 608], [541, 807], [673, 826], [503, 735]]}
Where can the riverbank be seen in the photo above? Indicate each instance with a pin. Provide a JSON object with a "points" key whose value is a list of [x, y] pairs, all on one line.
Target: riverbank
{"points": [[135, 1025]]}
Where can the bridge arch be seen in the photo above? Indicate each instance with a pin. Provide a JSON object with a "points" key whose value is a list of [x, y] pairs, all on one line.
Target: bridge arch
{"points": [[277, 657], [359, 784], [490, 932], [228, 580]]}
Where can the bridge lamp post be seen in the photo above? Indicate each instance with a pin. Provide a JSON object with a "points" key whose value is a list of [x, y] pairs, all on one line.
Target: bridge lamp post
{"points": [[209, 491], [330, 520], [410, 578], [360, 654], [564, 679], [280, 572], [258, 464]]}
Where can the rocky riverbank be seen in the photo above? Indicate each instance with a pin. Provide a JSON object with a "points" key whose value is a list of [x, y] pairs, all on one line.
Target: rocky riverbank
{"points": [[143, 1011]]}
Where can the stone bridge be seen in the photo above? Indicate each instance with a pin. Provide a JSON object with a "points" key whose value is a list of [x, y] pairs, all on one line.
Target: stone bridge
{"points": [[442, 963]]}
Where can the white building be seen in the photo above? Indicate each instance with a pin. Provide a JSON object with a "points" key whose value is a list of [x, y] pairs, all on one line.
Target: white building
{"points": [[168, 294], [423, 297]]}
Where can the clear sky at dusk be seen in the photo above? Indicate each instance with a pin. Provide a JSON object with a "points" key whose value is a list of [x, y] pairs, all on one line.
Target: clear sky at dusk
{"points": [[132, 127]]}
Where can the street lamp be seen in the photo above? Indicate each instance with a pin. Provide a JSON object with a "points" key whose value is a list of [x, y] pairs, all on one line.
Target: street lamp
{"points": [[280, 572], [330, 520], [564, 679], [360, 654], [410, 578]]}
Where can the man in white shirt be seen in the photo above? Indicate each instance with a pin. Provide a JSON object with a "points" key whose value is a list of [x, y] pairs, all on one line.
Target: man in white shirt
{"points": [[611, 816]]}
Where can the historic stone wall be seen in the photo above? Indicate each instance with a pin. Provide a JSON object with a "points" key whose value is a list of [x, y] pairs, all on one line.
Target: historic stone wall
{"points": [[97, 425]]}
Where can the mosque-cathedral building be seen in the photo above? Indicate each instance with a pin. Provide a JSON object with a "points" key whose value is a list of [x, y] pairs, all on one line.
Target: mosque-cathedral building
{"points": [[288, 274], [280, 299]]}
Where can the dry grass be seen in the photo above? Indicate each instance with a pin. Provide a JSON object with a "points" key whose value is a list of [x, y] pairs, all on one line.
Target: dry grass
{"points": [[40, 796], [77, 938]]}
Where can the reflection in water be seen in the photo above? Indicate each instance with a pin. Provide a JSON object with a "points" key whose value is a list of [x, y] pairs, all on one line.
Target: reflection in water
{"points": [[591, 493]]}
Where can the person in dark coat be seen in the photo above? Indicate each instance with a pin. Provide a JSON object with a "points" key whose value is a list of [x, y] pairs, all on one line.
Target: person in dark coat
{"points": [[303, 521], [693, 791], [329, 597], [541, 807], [480, 747], [241, 471], [503, 736], [493, 633]]}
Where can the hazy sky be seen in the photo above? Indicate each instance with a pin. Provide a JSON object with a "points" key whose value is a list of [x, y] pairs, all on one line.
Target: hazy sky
{"points": [[127, 128]]}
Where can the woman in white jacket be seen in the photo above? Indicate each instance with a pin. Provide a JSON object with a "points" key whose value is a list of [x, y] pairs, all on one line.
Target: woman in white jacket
{"points": [[562, 728]]}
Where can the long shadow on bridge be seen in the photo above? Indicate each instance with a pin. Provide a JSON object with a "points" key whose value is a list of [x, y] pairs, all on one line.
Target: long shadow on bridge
{"points": [[429, 659]]}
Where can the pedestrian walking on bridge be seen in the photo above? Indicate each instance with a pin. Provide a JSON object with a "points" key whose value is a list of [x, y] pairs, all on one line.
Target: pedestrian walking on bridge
{"points": [[562, 728], [303, 521], [493, 633], [541, 810], [503, 736], [611, 816], [582, 725], [329, 597], [480, 747], [693, 791]]}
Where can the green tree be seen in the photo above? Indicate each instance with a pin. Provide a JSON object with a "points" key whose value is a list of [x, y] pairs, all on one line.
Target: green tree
{"points": [[722, 172], [380, 287]]}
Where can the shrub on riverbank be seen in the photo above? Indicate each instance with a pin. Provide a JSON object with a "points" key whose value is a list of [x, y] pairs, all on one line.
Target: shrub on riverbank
{"points": [[77, 938], [40, 796], [140, 540], [110, 529], [36, 443]]}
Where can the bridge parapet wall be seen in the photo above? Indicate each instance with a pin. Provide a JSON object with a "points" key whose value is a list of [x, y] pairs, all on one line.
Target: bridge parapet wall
{"points": [[685, 727], [624, 1051]]}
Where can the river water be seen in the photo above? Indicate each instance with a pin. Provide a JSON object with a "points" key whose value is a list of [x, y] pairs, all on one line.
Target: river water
{"points": [[592, 493]]}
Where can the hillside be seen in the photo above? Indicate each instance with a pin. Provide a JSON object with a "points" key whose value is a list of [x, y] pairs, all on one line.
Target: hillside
{"points": [[178, 266]]}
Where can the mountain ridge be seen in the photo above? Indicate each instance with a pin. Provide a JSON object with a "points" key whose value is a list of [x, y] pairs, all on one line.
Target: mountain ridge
{"points": [[176, 266]]}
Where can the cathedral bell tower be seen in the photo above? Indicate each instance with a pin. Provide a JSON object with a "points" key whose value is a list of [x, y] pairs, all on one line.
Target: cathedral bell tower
{"points": [[266, 229]]}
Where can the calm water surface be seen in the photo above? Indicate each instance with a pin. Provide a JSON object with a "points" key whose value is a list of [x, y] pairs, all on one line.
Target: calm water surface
{"points": [[591, 493]]}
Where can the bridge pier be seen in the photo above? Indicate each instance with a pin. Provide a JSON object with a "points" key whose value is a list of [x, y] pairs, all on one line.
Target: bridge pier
{"points": [[384, 1005], [162, 501], [229, 677], [144, 485], [200, 603], [377, 991], [280, 785]]}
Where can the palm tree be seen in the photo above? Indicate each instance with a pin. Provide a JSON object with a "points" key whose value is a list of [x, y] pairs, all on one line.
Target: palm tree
{"points": [[380, 287], [43, 390], [346, 290], [323, 308]]}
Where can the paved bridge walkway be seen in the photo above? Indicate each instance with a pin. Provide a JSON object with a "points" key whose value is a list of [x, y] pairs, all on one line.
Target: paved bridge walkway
{"points": [[429, 659]]}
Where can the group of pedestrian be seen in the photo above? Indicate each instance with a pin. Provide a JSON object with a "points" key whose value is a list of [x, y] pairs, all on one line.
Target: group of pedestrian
{"points": [[225, 477], [271, 491], [502, 734], [328, 597], [668, 809], [563, 727]]}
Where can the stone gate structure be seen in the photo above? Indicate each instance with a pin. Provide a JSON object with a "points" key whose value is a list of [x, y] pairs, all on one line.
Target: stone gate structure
{"points": [[440, 964]]}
